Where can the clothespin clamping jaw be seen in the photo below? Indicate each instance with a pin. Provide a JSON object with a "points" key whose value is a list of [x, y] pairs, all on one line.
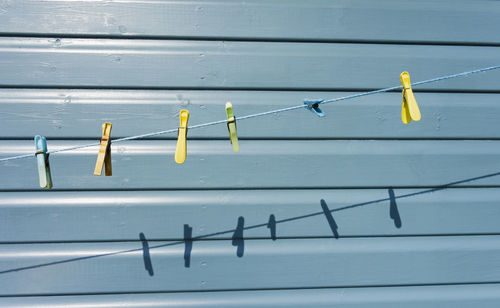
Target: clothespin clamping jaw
{"points": [[409, 108], [42, 158], [181, 148], [231, 126], [313, 106], [104, 156]]}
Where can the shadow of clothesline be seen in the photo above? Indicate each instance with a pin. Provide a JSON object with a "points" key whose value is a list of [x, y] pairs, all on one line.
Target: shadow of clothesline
{"points": [[238, 231]]}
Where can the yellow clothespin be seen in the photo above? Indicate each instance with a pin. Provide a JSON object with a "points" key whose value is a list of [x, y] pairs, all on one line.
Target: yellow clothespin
{"points": [[42, 159], [409, 109], [231, 126], [104, 156], [180, 150]]}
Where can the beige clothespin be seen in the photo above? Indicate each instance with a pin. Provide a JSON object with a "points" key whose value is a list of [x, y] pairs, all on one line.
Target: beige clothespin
{"points": [[104, 156]]}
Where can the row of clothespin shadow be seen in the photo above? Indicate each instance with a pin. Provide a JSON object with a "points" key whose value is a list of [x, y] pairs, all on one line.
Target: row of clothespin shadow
{"points": [[409, 111]]}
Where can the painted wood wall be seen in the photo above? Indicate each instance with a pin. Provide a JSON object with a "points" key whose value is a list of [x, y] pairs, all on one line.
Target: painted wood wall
{"points": [[351, 210]]}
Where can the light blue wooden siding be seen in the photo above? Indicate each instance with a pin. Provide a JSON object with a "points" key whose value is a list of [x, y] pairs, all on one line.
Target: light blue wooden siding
{"points": [[112, 267], [474, 295], [165, 64], [148, 164], [57, 113], [443, 21], [161, 215], [351, 210]]}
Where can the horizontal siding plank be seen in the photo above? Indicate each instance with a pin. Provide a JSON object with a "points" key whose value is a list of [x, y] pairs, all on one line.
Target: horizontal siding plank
{"points": [[487, 296], [80, 113], [433, 21], [214, 265], [89, 216], [262, 164], [47, 62]]}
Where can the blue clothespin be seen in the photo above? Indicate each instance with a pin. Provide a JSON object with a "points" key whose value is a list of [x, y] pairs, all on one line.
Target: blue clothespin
{"points": [[42, 159], [313, 105]]}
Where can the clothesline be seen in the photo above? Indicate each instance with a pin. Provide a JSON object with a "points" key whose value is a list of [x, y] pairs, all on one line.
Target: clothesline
{"points": [[250, 116]]}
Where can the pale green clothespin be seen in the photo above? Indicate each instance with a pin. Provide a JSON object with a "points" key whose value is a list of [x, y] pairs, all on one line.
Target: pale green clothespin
{"points": [[231, 126]]}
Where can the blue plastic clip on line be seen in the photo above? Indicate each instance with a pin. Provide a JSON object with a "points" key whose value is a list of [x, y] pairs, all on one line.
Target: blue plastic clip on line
{"points": [[42, 159], [313, 105]]}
